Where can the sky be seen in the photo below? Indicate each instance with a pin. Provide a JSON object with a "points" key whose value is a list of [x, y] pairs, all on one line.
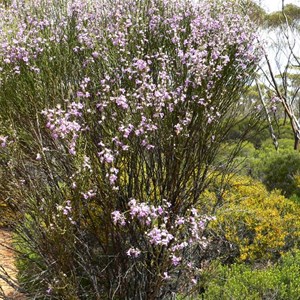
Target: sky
{"points": [[271, 6], [274, 5]]}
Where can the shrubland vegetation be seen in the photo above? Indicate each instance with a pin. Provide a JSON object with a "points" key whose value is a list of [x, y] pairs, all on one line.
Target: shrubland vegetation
{"points": [[136, 159], [242, 281]]}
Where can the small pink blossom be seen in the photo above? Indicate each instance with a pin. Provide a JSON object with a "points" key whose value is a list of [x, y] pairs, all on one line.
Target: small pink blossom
{"points": [[175, 260], [166, 276], [118, 218], [112, 179], [133, 252], [95, 54], [179, 221], [122, 102], [3, 141], [141, 65], [88, 195]]}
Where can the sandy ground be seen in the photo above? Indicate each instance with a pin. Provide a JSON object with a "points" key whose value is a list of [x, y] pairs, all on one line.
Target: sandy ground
{"points": [[7, 261]]}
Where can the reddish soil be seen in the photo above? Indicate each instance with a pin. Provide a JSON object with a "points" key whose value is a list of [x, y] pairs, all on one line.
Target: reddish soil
{"points": [[7, 262]]}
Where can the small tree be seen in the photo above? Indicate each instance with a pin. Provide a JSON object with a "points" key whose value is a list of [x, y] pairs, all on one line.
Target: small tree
{"points": [[280, 73]]}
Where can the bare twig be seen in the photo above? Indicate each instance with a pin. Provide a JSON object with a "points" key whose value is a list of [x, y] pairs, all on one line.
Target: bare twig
{"points": [[272, 133]]}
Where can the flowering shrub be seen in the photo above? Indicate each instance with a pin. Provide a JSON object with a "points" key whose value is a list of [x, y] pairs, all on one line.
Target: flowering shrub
{"points": [[257, 225], [119, 111]]}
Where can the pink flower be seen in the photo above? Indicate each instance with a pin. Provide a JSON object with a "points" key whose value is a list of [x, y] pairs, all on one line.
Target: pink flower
{"points": [[133, 252], [139, 210], [160, 236], [141, 65], [118, 218], [3, 141], [179, 221], [108, 157], [89, 194], [175, 260], [112, 179], [95, 54], [122, 102]]}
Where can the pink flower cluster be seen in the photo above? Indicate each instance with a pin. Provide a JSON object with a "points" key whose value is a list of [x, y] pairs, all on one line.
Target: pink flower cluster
{"points": [[66, 210], [177, 236], [145, 104], [65, 124], [147, 96], [25, 35]]}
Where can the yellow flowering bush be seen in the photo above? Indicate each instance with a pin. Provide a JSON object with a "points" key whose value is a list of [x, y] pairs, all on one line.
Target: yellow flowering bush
{"points": [[259, 224]]}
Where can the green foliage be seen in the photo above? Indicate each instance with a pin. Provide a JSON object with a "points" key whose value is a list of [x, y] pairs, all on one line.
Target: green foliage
{"points": [[259, 136], [277, 170], [295, 198], [254, 11], [274, 19], [258, 133], [239, 281], [290, 14], [258, 158]]}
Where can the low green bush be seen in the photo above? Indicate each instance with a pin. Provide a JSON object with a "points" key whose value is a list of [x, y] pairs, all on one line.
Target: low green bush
{"points": [[277, 169], [241, 281]]}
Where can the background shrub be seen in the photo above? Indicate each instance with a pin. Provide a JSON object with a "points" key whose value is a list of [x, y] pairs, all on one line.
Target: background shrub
{"points": [[256, 225], [277, 170], [245, 282]]}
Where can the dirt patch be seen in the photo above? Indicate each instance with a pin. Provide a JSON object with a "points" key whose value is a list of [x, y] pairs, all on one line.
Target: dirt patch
{"points": [[7, 261]]}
